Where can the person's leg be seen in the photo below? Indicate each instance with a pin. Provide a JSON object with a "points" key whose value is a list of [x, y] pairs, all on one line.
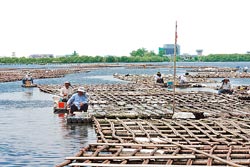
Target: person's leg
{"points": [[221, 91], [64, 100], [73, 108], [84, 107]]}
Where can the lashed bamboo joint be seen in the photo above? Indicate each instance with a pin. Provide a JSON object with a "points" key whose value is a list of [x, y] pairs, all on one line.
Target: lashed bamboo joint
{"points": [[211, 142]]}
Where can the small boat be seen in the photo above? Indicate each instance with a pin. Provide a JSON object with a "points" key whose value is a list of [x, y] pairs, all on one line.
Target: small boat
{"points": [[59, 106], [29, 84]]}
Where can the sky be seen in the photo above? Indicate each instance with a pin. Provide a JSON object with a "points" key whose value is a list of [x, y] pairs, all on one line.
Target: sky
{"points": [[116, 27]]}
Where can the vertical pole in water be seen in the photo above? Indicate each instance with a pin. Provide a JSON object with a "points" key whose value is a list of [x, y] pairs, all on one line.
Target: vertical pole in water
{"points": [[175, 50]]}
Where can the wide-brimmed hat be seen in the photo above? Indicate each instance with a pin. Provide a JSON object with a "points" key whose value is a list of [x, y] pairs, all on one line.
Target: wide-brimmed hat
{"points": [[81, 89], [225, 79]]}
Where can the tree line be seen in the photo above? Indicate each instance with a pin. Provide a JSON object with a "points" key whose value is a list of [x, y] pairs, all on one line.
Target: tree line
{"points": [[139, 55], [225, 57]]}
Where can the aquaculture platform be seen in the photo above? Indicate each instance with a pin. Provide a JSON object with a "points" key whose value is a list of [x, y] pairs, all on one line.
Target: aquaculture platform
{"points": [[136, 126], [165, 142], [148, 101]]}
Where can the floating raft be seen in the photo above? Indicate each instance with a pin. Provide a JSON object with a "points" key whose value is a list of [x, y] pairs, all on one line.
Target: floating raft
{"points": [[146, 101], [149, 79], [213, 69], [8, 75], [164, 142], [222, 75]]}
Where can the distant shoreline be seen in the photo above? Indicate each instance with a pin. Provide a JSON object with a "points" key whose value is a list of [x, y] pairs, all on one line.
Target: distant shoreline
{"points": [[125, 59]]}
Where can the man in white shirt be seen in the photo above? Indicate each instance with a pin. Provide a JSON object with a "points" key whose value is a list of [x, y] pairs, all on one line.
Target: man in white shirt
{"points": [[225, 87], [245, 69], [183, 79], [158, 78], [66, 91]]}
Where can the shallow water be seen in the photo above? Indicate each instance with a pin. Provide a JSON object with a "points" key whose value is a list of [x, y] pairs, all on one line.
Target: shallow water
{"points": [[31, 135]]}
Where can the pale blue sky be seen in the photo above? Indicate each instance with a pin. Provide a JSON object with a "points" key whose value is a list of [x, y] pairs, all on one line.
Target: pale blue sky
{"points": [[116, 27]]}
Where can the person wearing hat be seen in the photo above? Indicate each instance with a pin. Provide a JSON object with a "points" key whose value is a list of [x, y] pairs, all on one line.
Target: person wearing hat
{"points": [[66, 91], [27, 77], [158, 78], [225, 87], [79, 101]]}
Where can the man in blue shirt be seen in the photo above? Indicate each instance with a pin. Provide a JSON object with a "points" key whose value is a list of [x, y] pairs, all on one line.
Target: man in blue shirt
{"points": [[79, 101]]}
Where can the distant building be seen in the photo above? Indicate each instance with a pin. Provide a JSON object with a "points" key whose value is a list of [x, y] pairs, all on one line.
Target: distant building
{"points": [[168, 49], [248, 52], [187, 56], [41, 56], [13, 54], [199, 52]]}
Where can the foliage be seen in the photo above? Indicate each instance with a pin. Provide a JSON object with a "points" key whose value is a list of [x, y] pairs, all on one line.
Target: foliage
{"points": [[83, 59], [225, 57]]}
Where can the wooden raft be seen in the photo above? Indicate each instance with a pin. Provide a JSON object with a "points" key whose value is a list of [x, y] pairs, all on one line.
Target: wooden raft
{"points": [[164, 142]]}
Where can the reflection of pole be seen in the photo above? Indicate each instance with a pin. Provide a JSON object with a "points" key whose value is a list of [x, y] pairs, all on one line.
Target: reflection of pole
{"points": [[175, 45]]}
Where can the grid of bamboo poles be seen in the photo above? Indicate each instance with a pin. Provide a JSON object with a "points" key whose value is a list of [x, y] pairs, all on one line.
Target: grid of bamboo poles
{"points": [[159, 142]]}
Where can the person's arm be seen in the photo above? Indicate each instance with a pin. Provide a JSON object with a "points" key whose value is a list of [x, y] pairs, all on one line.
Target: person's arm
{"points": [[70, 101], [221, 86], [61, 92]]}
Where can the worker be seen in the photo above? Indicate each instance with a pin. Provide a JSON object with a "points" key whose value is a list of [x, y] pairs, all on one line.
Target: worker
{"points": [[225, 87], [158, 78], [183, 79], [27, 77], [245, 69], [78, 101], [66, 91]]}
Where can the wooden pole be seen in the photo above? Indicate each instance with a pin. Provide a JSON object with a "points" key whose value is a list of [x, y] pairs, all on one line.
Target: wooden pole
{"points": [[175, 45]]}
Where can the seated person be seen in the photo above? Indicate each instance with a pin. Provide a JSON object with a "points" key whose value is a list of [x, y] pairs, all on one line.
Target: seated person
{"points": [[158, 78], [225, 87], [66, 91], [79, 101], [27, 77], [245, 69], [183, 79]]}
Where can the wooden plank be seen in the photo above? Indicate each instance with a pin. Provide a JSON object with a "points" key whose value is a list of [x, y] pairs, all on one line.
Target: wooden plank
{"points": [[134, 157], [134, 165], [143, 145]]}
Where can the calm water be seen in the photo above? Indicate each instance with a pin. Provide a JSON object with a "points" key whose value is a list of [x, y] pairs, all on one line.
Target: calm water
{"points": [[31, 135]]}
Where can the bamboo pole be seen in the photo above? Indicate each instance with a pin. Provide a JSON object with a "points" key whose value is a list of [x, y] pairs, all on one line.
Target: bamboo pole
{"points": [[134, 157], [133, 165], [175, 45]]}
